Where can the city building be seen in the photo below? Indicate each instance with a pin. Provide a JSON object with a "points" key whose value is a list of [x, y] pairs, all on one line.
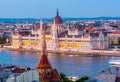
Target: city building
{"points": [[13, 73], [99, 40], [61, 37], [114, 38], [27, 76], [111, 74]]}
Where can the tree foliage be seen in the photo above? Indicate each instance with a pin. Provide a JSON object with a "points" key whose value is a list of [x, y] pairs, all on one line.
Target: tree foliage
{"points": [[65, 79], [83, 79], [1, 41]]}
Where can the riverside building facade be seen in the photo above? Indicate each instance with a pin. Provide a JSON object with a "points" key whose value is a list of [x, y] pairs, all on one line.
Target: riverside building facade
{"points": [[61, 37]]}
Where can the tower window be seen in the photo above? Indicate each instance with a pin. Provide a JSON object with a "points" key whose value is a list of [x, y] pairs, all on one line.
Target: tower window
{"points": [[48, 74]]}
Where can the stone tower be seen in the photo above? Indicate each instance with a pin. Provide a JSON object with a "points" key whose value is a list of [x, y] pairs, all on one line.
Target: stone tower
{"points": [[57, 29], [44, 68]]}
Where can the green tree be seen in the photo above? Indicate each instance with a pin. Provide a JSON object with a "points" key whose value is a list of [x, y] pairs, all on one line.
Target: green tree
{"points": [[119, 40], [1, 41], [64, 78], [83, 79]]}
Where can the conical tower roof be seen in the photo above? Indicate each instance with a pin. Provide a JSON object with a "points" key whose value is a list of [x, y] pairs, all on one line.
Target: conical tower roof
{"points": [[55, 75], [44, 62]]}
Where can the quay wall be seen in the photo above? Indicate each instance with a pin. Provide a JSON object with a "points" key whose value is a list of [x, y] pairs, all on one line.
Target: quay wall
{"points": [[92, 53]]}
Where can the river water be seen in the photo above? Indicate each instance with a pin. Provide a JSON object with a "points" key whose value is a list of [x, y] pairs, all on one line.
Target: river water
{"points": [[69, 64]]}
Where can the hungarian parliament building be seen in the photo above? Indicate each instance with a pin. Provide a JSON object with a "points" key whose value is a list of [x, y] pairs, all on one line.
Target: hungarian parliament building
{"points": [[61, 37]]}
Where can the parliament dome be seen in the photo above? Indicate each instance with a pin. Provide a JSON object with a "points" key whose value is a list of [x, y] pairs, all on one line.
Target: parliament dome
{"points": [[57, 19]]}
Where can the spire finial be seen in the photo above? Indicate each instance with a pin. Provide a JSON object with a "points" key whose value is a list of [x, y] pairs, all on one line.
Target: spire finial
{"points": [[41, 29], [57, 12], [43, 38], [43, 42]]}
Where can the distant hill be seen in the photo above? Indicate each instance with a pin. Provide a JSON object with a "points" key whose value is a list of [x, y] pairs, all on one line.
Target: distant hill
{"points": [[94, 18], [21, 20]]}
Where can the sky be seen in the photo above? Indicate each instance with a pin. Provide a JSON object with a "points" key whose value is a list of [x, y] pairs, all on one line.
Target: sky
{"points": [[67, 8]]}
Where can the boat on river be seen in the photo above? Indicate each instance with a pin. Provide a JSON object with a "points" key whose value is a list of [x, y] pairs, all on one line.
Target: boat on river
{"points": [[73, 78], [115, 62], [71, 55]]}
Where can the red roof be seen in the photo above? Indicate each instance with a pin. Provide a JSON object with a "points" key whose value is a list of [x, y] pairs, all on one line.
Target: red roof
{"points": [[44, 63], [57, 19], [116, 32], [44, 77], [88, 28], [55, 75], [18, 70]]}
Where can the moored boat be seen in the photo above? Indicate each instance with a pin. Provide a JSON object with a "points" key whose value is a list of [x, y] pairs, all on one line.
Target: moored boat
{"points": [[73, 78], [114, 62]]}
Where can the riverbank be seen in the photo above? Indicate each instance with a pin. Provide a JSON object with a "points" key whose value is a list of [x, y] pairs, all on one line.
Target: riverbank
{"points": [[91, 53]]}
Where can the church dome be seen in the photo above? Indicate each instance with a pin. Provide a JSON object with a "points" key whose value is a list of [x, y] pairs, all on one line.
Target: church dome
{"points": [[57, 19]]}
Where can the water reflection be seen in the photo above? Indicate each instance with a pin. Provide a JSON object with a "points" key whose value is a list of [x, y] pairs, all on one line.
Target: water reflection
{"points": [[70, 65]]}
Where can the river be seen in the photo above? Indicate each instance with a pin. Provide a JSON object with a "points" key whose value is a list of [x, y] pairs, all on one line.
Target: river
{"points": [[69, 64]]}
